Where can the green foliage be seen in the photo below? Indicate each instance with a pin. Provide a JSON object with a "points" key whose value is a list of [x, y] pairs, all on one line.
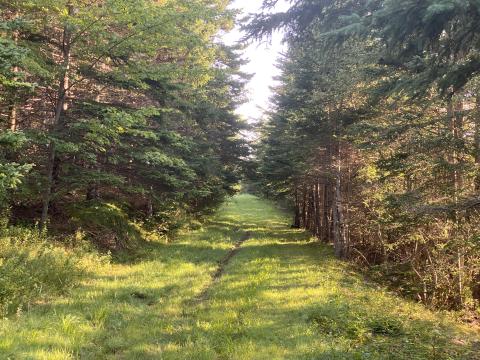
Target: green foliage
{"points": [[32, 269], [11, 173], [149, 115], [107, 225], [373, 139]]}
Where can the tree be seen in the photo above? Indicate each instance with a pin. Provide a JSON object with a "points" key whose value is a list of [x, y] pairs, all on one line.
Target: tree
{"points": [[375, 128], [133, 104]]}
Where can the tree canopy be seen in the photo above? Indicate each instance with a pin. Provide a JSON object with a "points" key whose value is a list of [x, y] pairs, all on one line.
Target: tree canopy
{"points": [[129, 103]]}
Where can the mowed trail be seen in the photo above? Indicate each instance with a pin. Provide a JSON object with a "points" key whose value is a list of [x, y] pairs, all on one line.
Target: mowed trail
{"points": [[245, 286]]}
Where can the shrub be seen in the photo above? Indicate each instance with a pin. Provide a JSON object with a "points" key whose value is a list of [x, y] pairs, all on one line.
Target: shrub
{"points": [[33, 268], [107, 225]]}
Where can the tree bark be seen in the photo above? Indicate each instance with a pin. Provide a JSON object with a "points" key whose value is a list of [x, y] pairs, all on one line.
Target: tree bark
{"points": [[324, 230], [476, 276], [457, 129], [13, 117], [455, 113], [304, 206], [316, 204], [13, 106], [338, 211], [150, 204], [477, 143], [60, 108], [338, 221], [296, 220]]}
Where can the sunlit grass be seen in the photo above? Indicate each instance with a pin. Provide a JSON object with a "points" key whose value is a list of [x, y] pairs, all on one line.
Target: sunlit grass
{"points": [[281, 297]]}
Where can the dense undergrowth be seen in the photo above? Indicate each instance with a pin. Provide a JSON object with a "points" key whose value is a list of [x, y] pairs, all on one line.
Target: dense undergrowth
{"points": [[35, 267]]}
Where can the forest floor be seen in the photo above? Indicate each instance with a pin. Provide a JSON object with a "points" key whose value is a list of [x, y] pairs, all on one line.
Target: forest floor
{"points": [[245, 286]]}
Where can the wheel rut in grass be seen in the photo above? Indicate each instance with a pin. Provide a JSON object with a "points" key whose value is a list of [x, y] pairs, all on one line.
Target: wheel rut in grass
{"points": [[222, 264]]}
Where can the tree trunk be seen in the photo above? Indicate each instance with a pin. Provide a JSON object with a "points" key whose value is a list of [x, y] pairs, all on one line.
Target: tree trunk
{"points": [[455, 114], [304, 207], [477, 143], [338, 211], [13, 117], [457, 129], [13, 106], [316, 204], [338, 221], [476, 276], [458, 135], [324, 230], [150, 204], [296, 220], [60, 108], [311, 209]]}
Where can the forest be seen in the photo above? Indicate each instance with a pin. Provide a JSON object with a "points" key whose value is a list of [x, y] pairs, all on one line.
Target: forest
{"points": [[375, 138], [142, 216]]}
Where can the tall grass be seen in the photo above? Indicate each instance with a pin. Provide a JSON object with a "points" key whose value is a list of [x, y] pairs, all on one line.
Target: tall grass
{"points": [[282, 296], [34, 267]]}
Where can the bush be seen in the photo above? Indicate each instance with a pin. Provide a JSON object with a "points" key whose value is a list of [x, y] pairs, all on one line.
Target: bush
{"points": [[107, 225], [32, 269]]}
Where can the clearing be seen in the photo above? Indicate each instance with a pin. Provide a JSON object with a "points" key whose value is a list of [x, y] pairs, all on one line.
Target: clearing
{"points": [[275, 295]]}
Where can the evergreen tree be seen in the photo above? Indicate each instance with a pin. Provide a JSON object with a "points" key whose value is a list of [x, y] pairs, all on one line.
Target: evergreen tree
{"points": [[374, 136], [119, 102]]}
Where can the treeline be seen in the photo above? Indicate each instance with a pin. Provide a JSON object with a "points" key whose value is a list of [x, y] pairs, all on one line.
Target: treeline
{"points": [[374, 137], [117, 109]]}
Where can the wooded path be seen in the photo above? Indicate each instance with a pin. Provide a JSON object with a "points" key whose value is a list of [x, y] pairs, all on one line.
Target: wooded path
{"points": [[245, 286]]}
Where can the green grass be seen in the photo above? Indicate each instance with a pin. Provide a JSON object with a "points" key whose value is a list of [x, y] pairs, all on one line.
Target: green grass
{"points": [[33, 268], [281, 296]]}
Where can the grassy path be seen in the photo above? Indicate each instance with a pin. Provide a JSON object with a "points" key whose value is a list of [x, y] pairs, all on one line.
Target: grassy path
{"points": [[277, 296]]}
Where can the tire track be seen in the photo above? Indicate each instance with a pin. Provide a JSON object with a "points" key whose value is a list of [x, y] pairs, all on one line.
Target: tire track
{"points": [[222, 264]]}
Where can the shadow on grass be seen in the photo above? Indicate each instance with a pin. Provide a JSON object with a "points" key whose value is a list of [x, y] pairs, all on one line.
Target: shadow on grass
{"points": [[201, 243], [281, 297]]}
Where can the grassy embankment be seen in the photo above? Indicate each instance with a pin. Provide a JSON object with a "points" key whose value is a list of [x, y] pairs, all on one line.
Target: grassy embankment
{"points": [[281, 296]]}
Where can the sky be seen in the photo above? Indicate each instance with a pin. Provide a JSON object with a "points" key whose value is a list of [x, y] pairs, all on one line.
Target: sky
{"points": [[262, 59]]}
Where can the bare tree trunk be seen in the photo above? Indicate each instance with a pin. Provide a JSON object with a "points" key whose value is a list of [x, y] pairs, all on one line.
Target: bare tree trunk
{"points": [[304, 206], [476, 276], [347, 200], [150, 203], [455, 115], [13, 117], [296, 220], [60, 108], [458, 135], [324, 234], [13, 106], [338, 211], [338, 221], [316, 202], [477, 143], [314, 209], [457, 129]]}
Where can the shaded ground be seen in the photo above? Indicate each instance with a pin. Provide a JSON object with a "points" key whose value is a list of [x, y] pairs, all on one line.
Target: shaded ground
{"points": [[277, 295]]}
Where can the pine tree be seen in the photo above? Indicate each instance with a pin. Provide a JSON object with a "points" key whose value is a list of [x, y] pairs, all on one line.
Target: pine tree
{"points": [[374, 136]]}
